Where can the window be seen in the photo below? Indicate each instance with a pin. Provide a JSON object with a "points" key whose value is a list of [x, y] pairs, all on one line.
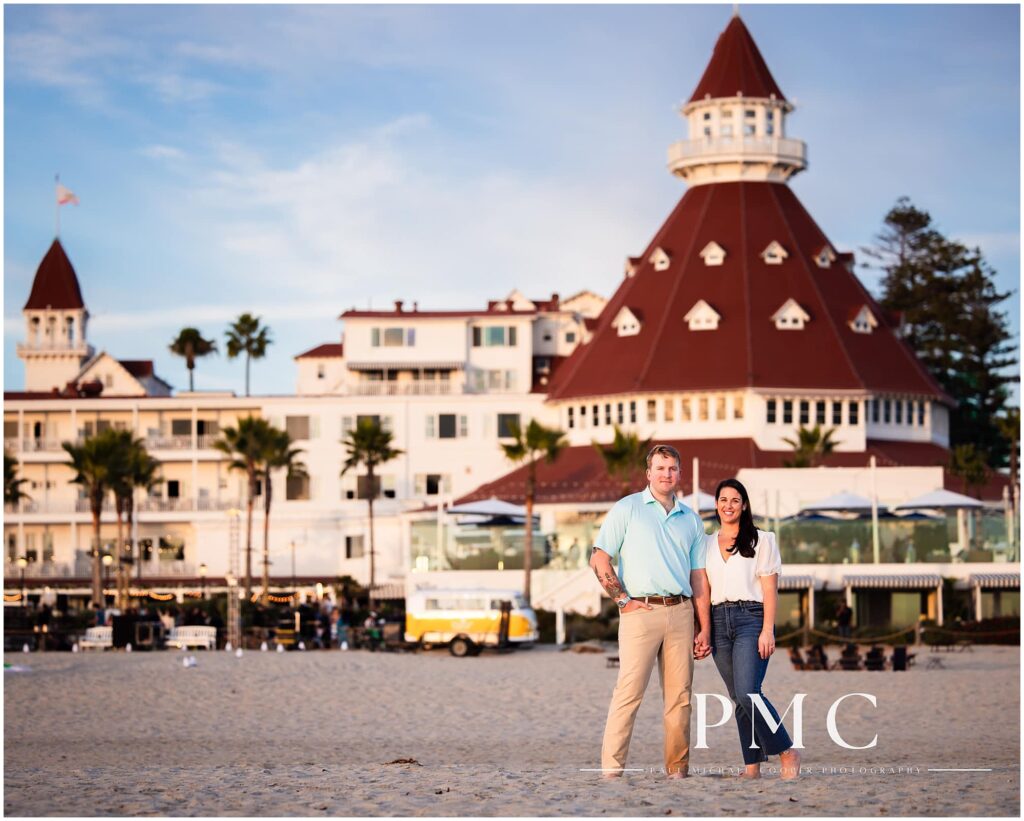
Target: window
{"points": [[354, 547], [446, 426], [837, 413], [819, 412], [608, 414], [619, 414], [572, 422], [173, 489], [297, 427], [737, 407], [583, 416], [508, 423], [702, 408], [207, 427], [707, 115], [321, 371], [805, 412], [874, 410], [570, 337], [179, 427], [774, 254], [787, 411], [632, 413], [713, 255], [685, 411], [596, 416], [886, 411], [771, 411], [297, 488], [652, 410], [920, 413], [853, 413], [720, 407], [899, 411], [670, 409], [769, 124], [432, 484], [726, 129], [494, 336]]}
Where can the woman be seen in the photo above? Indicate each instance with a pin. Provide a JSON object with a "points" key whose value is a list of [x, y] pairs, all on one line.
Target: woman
{"points": [[743, 565]]}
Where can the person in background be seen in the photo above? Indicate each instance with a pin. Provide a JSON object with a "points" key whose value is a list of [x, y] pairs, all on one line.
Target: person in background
{"points": [[844, 618]]}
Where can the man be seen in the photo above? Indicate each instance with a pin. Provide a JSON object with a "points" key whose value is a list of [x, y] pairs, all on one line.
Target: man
{"points": [[659, 545]]}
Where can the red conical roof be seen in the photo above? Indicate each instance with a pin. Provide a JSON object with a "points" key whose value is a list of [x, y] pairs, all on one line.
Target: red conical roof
{"points": [[736, 66], [746, 349], [55, 285]]}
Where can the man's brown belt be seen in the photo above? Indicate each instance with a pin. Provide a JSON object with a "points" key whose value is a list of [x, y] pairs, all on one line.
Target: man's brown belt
{"points": [[668, 601]]}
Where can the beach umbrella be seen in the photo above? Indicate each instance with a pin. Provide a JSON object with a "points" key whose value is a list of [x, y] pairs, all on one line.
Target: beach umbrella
{"points": [[489, 507], [705, 501], [940, 499], [844, 501]]}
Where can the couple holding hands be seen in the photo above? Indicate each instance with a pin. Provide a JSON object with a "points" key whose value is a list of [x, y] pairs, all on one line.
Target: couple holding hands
{"points": [[683, 595]]}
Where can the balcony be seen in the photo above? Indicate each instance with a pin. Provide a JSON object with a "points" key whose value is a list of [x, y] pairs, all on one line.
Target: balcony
{"points": [[402, 389], [41, 445], [688, 153], [204, 441], [54, 346], [37, 570]]}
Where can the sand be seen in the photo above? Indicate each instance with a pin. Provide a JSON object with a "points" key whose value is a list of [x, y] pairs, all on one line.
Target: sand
{"points": [[498, 735]]}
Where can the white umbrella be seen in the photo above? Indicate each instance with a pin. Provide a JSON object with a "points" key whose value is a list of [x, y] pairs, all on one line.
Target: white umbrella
{"points": [[489, 507], [705, 500], [939, 499], [842, 501]]}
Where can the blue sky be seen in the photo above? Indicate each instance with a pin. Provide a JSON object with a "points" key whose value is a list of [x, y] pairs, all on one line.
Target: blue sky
{"points": [[297, 161]]}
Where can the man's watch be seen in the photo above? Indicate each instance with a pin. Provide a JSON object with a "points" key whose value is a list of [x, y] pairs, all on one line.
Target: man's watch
{"points": [[623, 601]]}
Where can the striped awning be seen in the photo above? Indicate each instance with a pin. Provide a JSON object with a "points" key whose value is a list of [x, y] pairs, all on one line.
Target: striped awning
{"points": [[406, 366], [894, 581], [995, 580], [795, 582]]}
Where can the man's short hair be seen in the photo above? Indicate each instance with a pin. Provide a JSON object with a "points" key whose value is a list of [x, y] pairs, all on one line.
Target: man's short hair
{"points": [[664, 450]]}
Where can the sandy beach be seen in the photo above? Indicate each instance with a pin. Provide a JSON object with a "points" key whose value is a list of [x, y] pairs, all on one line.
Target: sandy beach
{"points": [[313, 734]]}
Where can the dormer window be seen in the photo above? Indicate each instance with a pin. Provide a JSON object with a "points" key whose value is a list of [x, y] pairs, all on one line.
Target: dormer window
{"points": [[660, 259], [862, 321], [774, 254], [627, 322], [826, 256], [631, 265], [713, 254], [702, 317], [791, 317]]}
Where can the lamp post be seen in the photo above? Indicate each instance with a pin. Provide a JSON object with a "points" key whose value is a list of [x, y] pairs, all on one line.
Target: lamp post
{"points": [[202, 577], [22, 564], [107, 561], [293, 566]]}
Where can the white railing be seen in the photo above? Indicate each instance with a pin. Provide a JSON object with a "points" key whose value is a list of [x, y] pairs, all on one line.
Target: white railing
{"points": [[81, 506], [402, 389], [61, 345], [169, 442], [37, 570], [38, 445], [685, 152]]}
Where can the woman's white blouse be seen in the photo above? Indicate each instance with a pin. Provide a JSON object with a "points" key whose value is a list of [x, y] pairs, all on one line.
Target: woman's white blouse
{"points": [[737, 579]]}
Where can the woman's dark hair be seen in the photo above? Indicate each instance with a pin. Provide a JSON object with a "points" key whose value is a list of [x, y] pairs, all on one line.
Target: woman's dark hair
{"points": [[747, 537]]}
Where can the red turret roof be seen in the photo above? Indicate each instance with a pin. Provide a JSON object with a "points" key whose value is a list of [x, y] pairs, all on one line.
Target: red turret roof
{"points": [[746, 349], [736, 66], [55, 285]]}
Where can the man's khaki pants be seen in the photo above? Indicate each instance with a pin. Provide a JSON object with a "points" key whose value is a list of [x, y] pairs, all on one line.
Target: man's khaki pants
{"points": [[664, 633]]}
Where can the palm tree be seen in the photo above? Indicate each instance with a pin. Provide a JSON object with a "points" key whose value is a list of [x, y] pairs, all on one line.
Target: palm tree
{"points": [[810, 447], [369, 445], [246, 445], [970, 465], [530, 446], [12, 482], [141, 473], [191, 345], [624, 456], [97, 464], [246, 336], [120, 484], [279, 454]]}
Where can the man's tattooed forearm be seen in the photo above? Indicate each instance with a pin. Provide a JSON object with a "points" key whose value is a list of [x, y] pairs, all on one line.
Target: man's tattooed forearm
{"points": [[611, 584]]}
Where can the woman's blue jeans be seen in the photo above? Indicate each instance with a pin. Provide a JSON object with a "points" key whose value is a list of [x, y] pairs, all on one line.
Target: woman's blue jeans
{"points": [[735, 628]]}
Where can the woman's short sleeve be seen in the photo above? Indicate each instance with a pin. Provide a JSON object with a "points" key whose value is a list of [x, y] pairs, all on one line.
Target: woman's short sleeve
{"points": [[769, 560]]}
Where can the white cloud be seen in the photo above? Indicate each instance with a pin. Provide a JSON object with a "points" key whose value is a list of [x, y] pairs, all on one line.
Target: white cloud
{"points": [[162, 152]]}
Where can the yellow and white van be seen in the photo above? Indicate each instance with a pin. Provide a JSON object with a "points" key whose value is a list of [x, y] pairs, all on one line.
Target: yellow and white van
{"points": [[467, 619]]}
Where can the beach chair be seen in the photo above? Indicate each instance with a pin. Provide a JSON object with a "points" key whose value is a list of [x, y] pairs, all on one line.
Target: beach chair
{"points": [[850, 659], [875, 659]]}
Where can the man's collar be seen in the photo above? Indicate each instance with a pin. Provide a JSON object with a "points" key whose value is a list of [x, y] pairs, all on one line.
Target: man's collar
{"points": [[649, 497]]}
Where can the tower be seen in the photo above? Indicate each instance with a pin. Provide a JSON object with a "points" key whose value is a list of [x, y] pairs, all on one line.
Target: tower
{"points": [[56, 345]]}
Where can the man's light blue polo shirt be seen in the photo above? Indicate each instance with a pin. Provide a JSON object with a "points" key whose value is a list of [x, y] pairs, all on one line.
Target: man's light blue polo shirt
{"points": [[656, 550]]}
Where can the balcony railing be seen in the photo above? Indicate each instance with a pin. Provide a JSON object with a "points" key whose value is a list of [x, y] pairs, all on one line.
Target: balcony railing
{"points": [[687, 152], [403, 389], [37, 570], [61, 345]]}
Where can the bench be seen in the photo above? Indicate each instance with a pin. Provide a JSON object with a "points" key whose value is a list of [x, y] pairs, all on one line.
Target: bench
{"points": [[193, 636], [101, 637]]}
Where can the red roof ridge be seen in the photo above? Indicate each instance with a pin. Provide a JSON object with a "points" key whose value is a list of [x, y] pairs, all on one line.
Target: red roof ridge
{"points": [[736, 65]]}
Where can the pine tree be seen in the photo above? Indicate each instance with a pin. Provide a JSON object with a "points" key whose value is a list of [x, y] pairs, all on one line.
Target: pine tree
{"points": [[946, 297]]}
